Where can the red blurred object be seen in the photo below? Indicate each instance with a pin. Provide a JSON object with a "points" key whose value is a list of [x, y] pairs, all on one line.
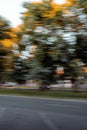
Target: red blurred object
{"points": [[85, 69]]}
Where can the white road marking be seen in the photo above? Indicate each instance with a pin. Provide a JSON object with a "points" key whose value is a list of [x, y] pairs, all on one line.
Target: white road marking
{"points": [[47, 121]]}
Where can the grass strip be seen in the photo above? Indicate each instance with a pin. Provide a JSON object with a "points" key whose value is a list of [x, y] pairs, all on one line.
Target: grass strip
{"points": [[50, 93]]}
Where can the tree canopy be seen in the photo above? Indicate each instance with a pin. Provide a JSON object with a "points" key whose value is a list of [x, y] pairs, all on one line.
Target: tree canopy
{"points": [[46, 24], [5, 52], [52, 36]]}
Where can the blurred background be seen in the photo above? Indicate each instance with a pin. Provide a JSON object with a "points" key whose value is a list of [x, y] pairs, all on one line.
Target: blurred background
{"points": [[48, 48]]}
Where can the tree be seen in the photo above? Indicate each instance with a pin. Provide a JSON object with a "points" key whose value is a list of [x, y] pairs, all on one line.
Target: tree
{"points": [[6, 63], [4, 29], [78, 16], [42, 65], [81, 48], [43, 24], [21, 71], [46, 27], [5, 53]]}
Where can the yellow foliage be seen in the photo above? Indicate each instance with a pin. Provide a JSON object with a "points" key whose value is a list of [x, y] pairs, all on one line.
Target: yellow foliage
{"points": [[55, 7], [6, 43], [26, 14], [18, 28], [37, 2]]}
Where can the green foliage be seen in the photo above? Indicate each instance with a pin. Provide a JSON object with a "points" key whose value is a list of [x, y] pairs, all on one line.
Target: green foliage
{"points": [[4, 29], [46, 28], [42, 66], [81, 48], [20, 71], [5, 53], [6, 63]]}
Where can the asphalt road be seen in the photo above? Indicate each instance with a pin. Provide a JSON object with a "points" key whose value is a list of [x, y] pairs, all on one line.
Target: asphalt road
{"points": [[27, 113]]}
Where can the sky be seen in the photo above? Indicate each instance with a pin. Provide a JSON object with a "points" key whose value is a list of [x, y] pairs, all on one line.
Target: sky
{"points": [[12, 9]]}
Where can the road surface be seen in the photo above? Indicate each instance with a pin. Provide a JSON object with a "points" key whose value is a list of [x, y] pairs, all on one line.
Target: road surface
{"points": [[28, 113]]}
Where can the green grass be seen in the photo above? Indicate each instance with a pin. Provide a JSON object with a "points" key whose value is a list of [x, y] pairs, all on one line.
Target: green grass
{"points": [[52, 94]]}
